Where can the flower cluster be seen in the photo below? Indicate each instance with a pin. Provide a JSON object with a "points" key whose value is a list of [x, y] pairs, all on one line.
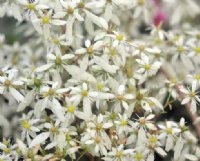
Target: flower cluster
{"points": [[88, 82]]}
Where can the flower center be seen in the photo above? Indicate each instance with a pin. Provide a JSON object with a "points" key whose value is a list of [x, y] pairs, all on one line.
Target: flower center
{"points": [[142, 121], [31, 6], [120, 37], [7, 150], [141, 48], [197, 77], [119, 154], [53, 129], [51, 92], [98, 127], [71, 109], [37, 82], [174, 80], [45, 20], [81, 5], [153, 139], [7, 83], [70, 10], [68, 138], [169, 131], [25, 124], [56, 41], [100, 87], [181, 49], [123, 123], [58, 60], [139, 96], [84, 93], [90, 50], [197, 50], [113, 116], [147, 67], [120, 97], [192, 94], [138, 156]]}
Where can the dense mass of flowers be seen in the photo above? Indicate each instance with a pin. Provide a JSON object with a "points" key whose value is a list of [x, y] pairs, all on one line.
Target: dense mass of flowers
{"points": [[88, 81]]}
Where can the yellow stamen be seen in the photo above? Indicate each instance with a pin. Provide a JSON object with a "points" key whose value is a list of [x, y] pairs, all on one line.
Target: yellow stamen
{"points": [[45, 20], [84, 93], [169, 131], [98, 127], [58, 60], [119, 154], [123, 123], [71, 109], [81, 5], [31, 6], [120, 37], [120, 97], [25, 124], [138, 156], [153, 139], [142, 121], [90, 50], [7, 83], [100, 87], [147, 67], [51, 92], [70, 10]]}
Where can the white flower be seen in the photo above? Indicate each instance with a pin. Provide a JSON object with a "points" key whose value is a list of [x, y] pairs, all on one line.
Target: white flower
{"points": [[71, 11], [98, 126], [44, 23], [194, 78], [142, 9], [181, 51], [119, 153], [99, 144], [147, 68], [32, 6], [71, 108], [191, 97], [86, 95], [143, 100], [121, 98], [169, 132], [154, 143], [140, 48], [123, 124], [50, 100], [56, 41], [146, 122], [55, 61], [118, 39], [8, 84], [90, 49], [7, 149], [29, 127]]}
